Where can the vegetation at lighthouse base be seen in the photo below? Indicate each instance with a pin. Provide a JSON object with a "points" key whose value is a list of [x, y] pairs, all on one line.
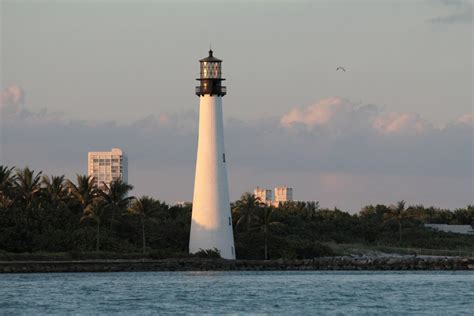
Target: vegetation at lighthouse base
{"points": [[53, 218]]}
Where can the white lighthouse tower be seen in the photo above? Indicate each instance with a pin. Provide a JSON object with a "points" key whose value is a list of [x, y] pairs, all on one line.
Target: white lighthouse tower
{"points": [[211, 225]]}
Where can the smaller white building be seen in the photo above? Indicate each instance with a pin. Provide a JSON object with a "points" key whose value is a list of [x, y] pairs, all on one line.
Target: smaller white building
{"points": [[279, 194], [458, 229], [106, 166], [283, 194]]}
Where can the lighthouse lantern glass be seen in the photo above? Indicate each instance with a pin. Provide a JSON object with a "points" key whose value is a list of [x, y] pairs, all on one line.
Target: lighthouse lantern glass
{"points": [[210, 70]]}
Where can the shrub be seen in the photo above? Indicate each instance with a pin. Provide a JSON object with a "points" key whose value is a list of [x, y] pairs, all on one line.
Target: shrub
{"points": [[304, 249], [208, 253]]}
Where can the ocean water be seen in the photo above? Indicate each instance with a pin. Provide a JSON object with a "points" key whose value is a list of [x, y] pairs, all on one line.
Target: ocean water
{"points": [[295, 293]]}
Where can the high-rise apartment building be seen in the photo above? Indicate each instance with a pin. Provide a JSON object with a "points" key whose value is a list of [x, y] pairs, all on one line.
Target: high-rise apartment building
{"points": [[106, 166], [264, 195]]}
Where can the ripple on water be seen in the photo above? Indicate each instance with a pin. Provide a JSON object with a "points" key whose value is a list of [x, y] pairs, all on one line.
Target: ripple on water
{"points": [[239, 292]]}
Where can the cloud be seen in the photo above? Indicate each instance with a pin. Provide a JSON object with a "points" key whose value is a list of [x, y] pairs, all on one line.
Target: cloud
{"points": [[12, 95], [334, 114], [467, 119], [460, 17], [326, 147], [340, 114], [181, 123], [396, 123], [319, 114], [461, 12], [12, 99], [337, 135], [12, 108]]}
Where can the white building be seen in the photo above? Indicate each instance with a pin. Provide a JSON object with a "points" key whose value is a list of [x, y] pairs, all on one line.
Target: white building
{"points": [[269, 197], [182, 203], [458, 229], [106, 166], [264, 195], [211, 224], [283, 194]]}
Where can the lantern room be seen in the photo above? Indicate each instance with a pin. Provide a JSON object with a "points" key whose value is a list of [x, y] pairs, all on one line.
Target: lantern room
{"points": [[210, 77]]}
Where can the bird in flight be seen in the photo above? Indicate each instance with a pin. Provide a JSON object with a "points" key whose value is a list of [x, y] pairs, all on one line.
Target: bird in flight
{"points": [[340, 68]]}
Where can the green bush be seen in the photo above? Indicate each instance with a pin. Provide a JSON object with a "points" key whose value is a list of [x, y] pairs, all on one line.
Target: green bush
{"points": [[208, 254], [304, 249], [310, 250]]}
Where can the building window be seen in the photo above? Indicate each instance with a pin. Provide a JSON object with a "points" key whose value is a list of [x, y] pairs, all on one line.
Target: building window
{"points": [[230, 221], [223, 157], [232, 250]]}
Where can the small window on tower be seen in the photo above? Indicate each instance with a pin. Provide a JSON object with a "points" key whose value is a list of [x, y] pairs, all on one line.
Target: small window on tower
{"points": [[223, 157], [230, 222]]}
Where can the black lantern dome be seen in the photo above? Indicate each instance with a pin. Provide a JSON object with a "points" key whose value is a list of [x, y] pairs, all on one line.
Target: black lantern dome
{"points": [[210, 77]]}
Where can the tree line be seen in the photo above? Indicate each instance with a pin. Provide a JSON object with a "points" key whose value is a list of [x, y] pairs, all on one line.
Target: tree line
{"points": [[40, 213]]}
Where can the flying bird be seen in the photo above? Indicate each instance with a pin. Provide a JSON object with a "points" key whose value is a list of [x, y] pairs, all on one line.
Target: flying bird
{"points": [[340, 68]]}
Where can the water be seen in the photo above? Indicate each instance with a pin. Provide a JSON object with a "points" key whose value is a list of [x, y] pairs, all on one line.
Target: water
{"points": [[429, 293]]}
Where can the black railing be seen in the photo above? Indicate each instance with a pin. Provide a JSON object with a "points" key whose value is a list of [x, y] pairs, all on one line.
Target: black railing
{"points": [[211, 90]]}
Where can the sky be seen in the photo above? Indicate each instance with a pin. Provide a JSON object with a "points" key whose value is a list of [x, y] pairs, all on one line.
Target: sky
{"points": [[79, 76]]}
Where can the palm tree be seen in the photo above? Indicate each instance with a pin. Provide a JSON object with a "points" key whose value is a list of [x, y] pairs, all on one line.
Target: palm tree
{"points": [[144, 207], [246, 209], [7, 179], [398, 214], [27, 185], [84, 192], [94, 211], [266, 221], [55, 188], [115, 197]]}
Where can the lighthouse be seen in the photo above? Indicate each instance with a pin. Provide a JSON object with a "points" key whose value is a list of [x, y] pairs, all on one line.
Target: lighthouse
{"points": [[211, 225]]}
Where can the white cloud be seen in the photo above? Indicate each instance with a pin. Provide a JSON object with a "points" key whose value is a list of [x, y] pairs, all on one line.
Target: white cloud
{"points": [[397, 123], [340, 114], [335, 116], [466, 119], [13, 109], [318, 114], [12, 95], [338, 137], [12, 99], [331, 113], [461, 11]]}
